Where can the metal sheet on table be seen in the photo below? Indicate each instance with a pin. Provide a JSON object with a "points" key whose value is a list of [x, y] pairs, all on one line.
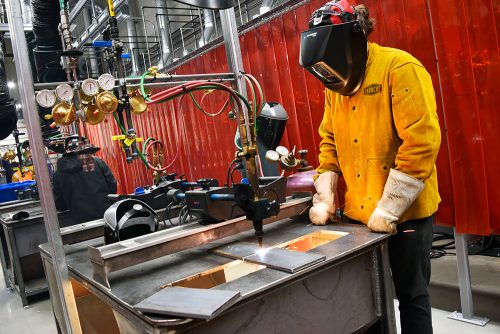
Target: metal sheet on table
{"points": [[284, 259], [188, 302], [276, 258], [236, 250]]}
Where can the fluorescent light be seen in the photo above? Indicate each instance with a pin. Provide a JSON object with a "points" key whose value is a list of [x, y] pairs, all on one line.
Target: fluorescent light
{"points": [[11, 84]]}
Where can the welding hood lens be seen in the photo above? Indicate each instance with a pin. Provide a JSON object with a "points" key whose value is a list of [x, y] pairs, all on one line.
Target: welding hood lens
{"points": [[336, 55], [271, 125]]}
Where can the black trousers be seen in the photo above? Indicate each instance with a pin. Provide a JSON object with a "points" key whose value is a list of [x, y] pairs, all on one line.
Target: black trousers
{"points": [[409, 257]]}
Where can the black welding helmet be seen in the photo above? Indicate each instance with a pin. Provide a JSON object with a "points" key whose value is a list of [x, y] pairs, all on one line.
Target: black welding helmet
{"points": [[127, 219], [271, 124], [334, 49]]}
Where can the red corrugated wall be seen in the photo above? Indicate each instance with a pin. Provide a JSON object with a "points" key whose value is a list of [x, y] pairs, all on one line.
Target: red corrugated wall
{"points": [[457, 42]]}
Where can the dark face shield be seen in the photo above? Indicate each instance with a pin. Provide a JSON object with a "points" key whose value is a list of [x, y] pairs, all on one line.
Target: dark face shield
{"points": [[336, 55]]}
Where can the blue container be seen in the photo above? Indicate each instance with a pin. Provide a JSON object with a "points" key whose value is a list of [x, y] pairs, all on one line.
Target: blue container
{"points": [[8, 191]]}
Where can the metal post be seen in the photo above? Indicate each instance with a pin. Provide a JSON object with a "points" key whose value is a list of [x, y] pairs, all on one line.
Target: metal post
{"points": [[464, 284], [87, 19], [132, 38], [233, 54], [71, 323]]}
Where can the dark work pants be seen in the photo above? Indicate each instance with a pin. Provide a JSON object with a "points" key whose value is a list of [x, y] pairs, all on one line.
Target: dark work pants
{"points": [[409, 257]]}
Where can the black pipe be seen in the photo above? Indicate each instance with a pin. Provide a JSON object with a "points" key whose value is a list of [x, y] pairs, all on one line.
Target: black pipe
{"points": [[8, 116], [45, 20]]}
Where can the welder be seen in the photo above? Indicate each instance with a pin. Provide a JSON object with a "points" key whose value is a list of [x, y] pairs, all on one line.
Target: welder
{"points": [[380, 131], [82, 182]]}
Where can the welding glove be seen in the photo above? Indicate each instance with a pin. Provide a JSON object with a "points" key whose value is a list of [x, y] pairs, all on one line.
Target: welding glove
{"points": [[323, 208], [400, 191]]}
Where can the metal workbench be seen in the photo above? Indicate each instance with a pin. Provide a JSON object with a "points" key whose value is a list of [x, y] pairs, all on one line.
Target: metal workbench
{"points": [[6, 208], [19, 253], [347, 292]]}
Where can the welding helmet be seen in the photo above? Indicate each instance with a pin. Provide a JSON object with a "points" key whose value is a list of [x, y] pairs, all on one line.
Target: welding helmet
{"points": [[334, 49], [128, 218], [271, 125]]}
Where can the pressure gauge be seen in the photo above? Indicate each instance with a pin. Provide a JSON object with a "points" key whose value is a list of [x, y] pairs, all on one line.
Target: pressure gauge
{"points": [[90, 87], [46, 98], [272, 156], [282, 150], [106, 81], [64, 92]]}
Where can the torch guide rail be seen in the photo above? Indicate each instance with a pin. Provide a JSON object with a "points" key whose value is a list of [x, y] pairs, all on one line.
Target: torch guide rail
{"points": [[127, 253]]}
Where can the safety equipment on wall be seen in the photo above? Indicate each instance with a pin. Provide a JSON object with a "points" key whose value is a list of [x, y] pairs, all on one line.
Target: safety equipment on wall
{"points": [[127, 219], [271, 124], [400, 191], [334, 49], [323, 208]]}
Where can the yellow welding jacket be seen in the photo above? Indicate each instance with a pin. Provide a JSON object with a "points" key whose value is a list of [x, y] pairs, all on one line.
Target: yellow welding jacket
{"points": [[391, 122]]}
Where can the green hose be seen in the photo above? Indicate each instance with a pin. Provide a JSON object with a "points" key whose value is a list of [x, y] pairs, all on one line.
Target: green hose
{"points": [[124, 132]]}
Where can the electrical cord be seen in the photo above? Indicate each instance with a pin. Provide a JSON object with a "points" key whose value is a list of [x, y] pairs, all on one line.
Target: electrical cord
{"points": [[440, 249], [229, 170]]}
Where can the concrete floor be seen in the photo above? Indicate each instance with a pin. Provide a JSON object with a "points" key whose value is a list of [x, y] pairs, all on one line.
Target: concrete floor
{"points": [[38, 317]]}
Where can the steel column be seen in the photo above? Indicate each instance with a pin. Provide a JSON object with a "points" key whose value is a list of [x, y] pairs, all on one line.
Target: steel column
{"points": [[234, 58], [87, 19], [464, 283], [26, 90]]}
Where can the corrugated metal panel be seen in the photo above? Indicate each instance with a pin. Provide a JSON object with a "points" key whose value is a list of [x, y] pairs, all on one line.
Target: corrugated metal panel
{"points": [[466, 59]]}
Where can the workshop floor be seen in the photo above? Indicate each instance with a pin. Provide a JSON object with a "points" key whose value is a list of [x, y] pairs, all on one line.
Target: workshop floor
{"points": [[38, 317]]}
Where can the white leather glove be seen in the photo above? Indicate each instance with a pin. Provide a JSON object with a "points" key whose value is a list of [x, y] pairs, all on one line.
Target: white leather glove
{"points": [[323, 208], [400, 191]]}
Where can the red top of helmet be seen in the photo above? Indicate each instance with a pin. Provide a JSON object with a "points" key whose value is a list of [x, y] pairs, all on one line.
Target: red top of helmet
{"points": [[333, 12]]}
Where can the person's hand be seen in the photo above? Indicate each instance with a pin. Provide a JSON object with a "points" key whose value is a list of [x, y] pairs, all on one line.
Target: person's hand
{"points": [[400, 191], [382, 221], [323, 208]]}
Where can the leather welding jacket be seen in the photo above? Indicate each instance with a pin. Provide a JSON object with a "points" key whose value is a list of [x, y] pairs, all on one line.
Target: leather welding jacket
{"points": [[84, 193], [391, 122]]}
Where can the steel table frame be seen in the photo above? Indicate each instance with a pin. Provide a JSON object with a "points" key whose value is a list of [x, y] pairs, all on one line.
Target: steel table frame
{"points": [[361, 244]]}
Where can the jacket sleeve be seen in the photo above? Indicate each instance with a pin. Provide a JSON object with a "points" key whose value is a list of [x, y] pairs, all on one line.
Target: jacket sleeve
{"points": [[108, 176], [415, 119], [328, 160], [58, 196]]}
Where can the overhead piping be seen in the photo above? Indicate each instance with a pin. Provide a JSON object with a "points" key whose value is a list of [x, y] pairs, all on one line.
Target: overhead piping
{"points": [[208, 31], [266, 6], [164, 32], [45, 22]]}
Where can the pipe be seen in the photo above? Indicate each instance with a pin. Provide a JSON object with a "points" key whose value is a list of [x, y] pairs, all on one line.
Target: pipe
{"points": [[70, 322], [266, 6], [25, 4], [87, 20], [132, 38], [46, 20], [209, 30], [164, 32], [8, 116]]}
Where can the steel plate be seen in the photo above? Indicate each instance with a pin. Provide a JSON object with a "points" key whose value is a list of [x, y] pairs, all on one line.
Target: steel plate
{"points": [[188, 302]]}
